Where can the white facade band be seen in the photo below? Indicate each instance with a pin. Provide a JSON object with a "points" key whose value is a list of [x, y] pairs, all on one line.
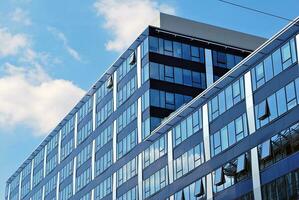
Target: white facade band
{"points": [[139, 121], [76, 130], [140, 176], [114, 186], [45, 159], [92, 194], [20, 185], [206, 142], [94, 106], [209, 67], [139, 73], [31, 175], [74, 175], [170, 156], [57, 186], [43, 194], [256, 181], [93, 157], [8, 192], [59, 146], [114, 142], [114, 91]]}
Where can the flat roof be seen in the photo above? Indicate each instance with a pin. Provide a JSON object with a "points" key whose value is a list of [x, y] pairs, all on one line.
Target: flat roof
{"points": [[209, 32]]}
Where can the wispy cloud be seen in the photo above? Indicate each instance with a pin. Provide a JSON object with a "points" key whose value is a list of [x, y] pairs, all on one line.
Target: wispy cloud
{"points": [[29, 96], [126, 19], [21, 16], [71, 51], [11, 44]]}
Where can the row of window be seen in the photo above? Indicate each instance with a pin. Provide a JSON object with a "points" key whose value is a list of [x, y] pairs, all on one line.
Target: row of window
{"points": [[226, 99], [188, 161], [277, 104], [52, 144], [86, 196], [126, 144], [104, 112], [85, 109], [229, 135], [103, 189], [145, 99], [66, 171], [155, 151], [66, 192], [84, 155], [67, 149], [26, 171], [279, 146], [103, 163], [175, 75], [38, 176], [25, 189], [187, 127], [155, 182], [83, 179], [225, 60], [104, 137], [51, 185], [102, 92], [126, 66], [176, 49], [126, 117], [38, 195], [68, 127], [192, 192], [126, 91], [39, 157], [167, 100], [275, 63], [51, 164], [126, 172], [132, 194]]}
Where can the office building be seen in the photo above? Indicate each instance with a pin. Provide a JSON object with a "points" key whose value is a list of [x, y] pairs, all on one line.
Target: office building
{"points": [[188, 111]]}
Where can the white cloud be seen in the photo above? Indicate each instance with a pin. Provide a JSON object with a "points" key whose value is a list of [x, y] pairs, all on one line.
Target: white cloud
{"points": [[11, 44], [71, 51], [126, 19], [30, 97], [21, 16]]}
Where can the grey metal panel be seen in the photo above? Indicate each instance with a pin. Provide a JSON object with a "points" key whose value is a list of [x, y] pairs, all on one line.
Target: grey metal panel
{"points": [[256, 180], [209, 67], [210, 32]]}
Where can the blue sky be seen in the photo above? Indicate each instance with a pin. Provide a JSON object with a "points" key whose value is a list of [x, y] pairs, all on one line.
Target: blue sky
{"points": [[53, 51]]}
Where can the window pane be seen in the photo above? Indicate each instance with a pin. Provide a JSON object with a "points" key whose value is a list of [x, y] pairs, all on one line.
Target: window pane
{"points": [[187, 77], [286, 52], [224, 138], [268, 68], [297, 89], [178, 75], [168, 47], [186, 51], [169, 73], [281, 101], [154, 70], [277, 62], [153, 46], [272, 106], [229, 97], [177, 47], [291, 95], [155, 100]]}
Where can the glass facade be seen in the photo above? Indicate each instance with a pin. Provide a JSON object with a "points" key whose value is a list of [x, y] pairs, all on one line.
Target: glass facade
{"points": [[123, 141]]}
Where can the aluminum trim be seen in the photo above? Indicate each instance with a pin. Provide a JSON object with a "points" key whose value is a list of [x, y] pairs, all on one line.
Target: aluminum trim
{"points": [[209, 67], [170, 156], [45, 160], [74, 175], [76, 130], [31, 175], [206, 132], [59, 147], [209, 186], [114, 186], [93, 156], [94, 106], [140, 176], [139, 120], [139, 66], [256, 180], [57, 186]]}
